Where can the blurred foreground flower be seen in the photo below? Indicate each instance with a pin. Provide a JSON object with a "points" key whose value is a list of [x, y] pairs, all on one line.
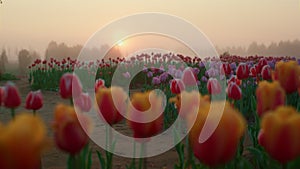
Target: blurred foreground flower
{"points": [[139, 110], [280, 133], [187, 103], [70, 130], [107, 104], [269, 96], [22, 142], [220, 147], [287, 73]]}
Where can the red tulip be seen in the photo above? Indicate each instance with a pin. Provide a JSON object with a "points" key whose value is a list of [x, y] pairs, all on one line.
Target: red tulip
{"points": [[226, 68], [242, 71], [234, 91], [69, 86], [84, 102], [189, 78], [253, 72], [34, 100], [213, 86], [176, 86], [100, 83], [11, 95], [235, 80], [266, 72], [107, 104], [262, 62]]}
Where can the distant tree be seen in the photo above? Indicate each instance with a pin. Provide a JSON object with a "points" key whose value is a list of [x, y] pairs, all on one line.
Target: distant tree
{"points": [[3, 62], [24, 60]]}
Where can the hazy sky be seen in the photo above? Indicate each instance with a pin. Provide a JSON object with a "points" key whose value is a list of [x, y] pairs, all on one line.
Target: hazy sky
{"points": [[34, 23]]}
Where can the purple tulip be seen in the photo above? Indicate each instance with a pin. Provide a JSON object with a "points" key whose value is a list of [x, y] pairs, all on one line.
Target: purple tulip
{"points": [[196, 70], [163, 77], [149, 74], [127, 75], [233, 65], [156, 81], [298, 61], [204, 79], [201, 65]]}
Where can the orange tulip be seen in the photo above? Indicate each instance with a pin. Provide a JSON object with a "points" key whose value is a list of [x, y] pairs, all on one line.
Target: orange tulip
{"points": [[287, 73], [70, 135], [107, 104], [22, 142], [280, 134], [269, 96], [187, 103], [221, 146], [145, 122]]}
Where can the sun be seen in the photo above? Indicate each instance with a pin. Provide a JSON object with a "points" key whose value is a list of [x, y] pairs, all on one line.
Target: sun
{"points": [[120, 43]]}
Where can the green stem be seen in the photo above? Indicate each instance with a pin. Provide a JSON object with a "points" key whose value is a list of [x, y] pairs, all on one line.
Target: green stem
{"points": [[34, 112], [12, 113], [71, 101], [284, 166]]}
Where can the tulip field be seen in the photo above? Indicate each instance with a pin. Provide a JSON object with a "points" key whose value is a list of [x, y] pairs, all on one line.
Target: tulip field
{"points": [[259, 126]]}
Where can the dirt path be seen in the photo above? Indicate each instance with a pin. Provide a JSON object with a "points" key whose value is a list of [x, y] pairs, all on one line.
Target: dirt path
{"points": [[56, 159]]}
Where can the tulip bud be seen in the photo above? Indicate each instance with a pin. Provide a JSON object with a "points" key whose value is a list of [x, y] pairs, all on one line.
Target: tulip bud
{"points": [[139, 114], [176, 86], [11, 95], [234, 91], [100, 83], [69, 86], [220, 147], [287, 73], [34, 100], [108, 105], [213, 86], [269, 96], [266, 72], [84, 102], [280, 133], [22, 142], [70, 134], [242, 71]]}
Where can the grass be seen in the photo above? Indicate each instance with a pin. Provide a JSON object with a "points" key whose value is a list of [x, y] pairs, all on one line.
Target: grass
{"points": [[7, 76]]}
